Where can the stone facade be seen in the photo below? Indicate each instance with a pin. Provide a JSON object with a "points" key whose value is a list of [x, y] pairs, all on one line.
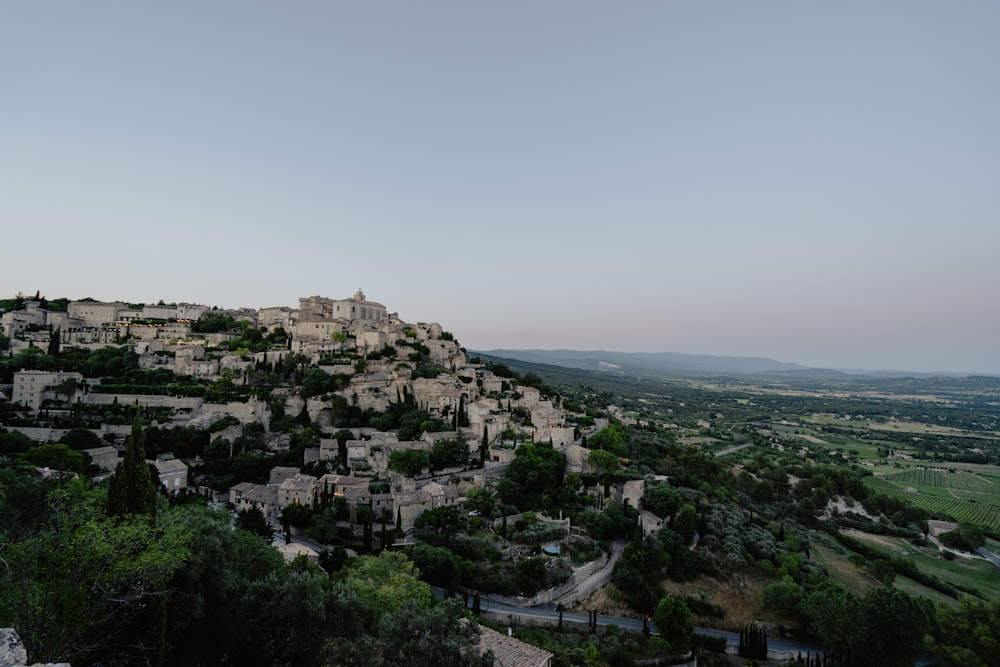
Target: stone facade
{"points": [[173, 474], [31, 388], [95, 313], [355, 309]]}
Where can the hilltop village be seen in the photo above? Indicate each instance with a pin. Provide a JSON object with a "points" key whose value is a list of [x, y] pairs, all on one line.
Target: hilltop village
{"points": [[242, 372], [283, 486]]}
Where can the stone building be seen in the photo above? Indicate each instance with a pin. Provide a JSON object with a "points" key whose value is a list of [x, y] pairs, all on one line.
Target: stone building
{"points": [[355, 309], [173, 473], [95, 313], [31, 388]]}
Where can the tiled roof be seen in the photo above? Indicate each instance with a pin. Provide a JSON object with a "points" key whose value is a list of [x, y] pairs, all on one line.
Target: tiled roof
{"points": [[510, 652]]}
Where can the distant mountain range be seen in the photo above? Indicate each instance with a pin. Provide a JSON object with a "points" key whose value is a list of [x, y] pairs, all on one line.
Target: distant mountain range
{"points": [[676, 363]]}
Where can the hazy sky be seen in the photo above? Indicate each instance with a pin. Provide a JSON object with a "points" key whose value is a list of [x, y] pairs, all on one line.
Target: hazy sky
{"points": [[813, 182]]}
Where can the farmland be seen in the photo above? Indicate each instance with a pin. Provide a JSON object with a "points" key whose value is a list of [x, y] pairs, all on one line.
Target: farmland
{"points": [[976, 508]]}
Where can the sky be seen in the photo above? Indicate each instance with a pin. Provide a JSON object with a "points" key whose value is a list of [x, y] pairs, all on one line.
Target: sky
{"points": [[812, 182]]}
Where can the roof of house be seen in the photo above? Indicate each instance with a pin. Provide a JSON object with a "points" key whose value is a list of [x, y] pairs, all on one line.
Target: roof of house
{"points": [[281, 473], [437, 490], [355, 493], [298, 483], [411, 498], [170, 465], [261, 493], [101, 451], [510, 652]]}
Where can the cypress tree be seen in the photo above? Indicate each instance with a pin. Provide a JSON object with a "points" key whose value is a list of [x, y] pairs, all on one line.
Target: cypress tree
{"points": [[131, 489], [53, 350]]}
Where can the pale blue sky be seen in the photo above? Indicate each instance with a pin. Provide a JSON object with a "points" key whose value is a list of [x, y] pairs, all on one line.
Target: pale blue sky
{"points": [[813, 182]]}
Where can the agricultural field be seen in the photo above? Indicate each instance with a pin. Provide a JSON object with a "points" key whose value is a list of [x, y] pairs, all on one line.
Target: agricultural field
{"points": [[968, 573], [961, 496]]}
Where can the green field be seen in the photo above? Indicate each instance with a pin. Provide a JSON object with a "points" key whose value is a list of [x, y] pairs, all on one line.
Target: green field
{"points": [[952, 501], [964, 573], [964, 481]]}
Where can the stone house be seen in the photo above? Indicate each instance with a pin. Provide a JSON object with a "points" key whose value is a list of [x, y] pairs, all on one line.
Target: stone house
{"points": [[441, 496], [409, 505], [31, 388], [297, 490], [649, 522], [105, 458], [246, 495], [173, 473]]}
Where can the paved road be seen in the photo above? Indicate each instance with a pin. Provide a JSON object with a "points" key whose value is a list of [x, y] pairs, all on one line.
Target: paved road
{"points": [[549, 615]]}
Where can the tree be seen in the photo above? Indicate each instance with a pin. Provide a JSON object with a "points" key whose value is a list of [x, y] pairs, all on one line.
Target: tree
{"points": [[131, 489], [673, 621], [482, 500], [894, 625], [53, 350], [604, 463], [315, 382], [449, 452], [966, 537], [81, 438], [610, 439], [531, 479], [365, 515], [387, 583], [833, 615], [205, 617], [83, 587], [416, 636], [57, 457], [409, 462], [968, 634], [662, 500], [254, 521], [484, 446]]}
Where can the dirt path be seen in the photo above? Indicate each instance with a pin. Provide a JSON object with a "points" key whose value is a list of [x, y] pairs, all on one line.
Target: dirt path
{"points": [[735, 448]]}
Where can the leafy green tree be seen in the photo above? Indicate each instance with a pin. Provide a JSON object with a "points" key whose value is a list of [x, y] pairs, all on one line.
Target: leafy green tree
{"points": [[81, 438], [784, 598], [610, 439], [833, 613], [416, 636], [482, 500], [131, 489], [409, 462], [57, 457], [673, 621], [315, 382], [662, 500], [604, 463], [53, 350], [254, 521], [204, 617], [533, 478], [80, 588], [449, 452], [968, 634], [966, 537], [895, 624], [284, 619], [437, 565], [14, 442], [387, 583]]}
